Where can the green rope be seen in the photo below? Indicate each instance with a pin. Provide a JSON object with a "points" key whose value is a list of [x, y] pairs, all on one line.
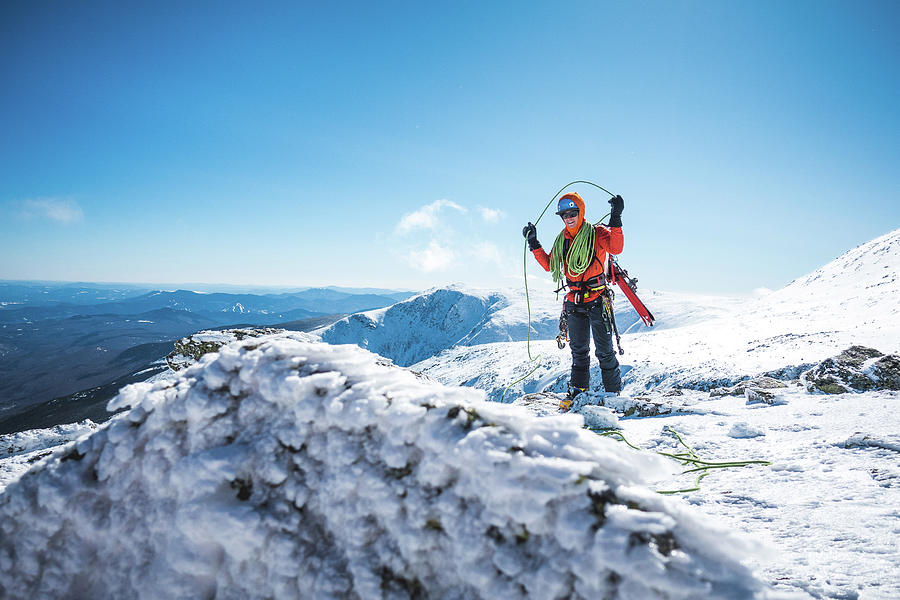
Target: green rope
{"points": [[690, 457], [579, 257], [525, 271]]}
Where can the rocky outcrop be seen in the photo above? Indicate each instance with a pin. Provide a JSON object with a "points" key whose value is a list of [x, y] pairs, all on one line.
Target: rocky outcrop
{"points": [[547, 403], [189, 350], [856, 369], [755, 384]]}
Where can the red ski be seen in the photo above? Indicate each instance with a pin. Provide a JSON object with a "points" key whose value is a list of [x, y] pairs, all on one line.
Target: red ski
{"points": [[628, 287]]}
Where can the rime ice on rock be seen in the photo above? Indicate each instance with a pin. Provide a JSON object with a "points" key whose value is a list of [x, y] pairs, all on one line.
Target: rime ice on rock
{"points": [[280, 468]]}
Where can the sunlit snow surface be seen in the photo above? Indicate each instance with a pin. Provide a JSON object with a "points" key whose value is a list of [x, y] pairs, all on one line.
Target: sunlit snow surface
{"points": [[286, 468], [828, 507], [19, 451]]}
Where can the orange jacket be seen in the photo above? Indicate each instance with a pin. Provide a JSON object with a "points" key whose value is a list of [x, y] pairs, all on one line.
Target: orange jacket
{"points": [[606, 240]]}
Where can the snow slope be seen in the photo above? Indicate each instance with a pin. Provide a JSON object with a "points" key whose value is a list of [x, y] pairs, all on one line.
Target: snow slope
{"points": [[829, 506], [855, 299], [285, 468], [829, 502], [18, 451]]}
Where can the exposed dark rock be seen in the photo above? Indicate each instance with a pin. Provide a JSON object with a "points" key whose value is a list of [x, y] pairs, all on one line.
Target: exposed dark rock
{"points": [[189, 350], [887, 372], [857, 369], [855, 356]]}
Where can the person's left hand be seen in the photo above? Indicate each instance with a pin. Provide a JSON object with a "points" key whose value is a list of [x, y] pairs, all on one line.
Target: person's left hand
{"points": [[617, 204]]}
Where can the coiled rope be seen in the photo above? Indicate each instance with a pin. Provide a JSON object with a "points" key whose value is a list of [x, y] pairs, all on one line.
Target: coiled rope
{"points": [[579, 257]]}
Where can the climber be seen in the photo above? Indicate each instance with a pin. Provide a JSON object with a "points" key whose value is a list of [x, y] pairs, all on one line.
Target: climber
{"points": [[584, 275]]}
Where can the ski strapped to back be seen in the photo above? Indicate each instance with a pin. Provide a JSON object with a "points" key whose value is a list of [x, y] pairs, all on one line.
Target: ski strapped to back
{"points": [[629, 287]]}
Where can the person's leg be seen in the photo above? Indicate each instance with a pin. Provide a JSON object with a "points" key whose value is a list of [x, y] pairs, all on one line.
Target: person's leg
{"points": [[580, 342], [603, 344]]}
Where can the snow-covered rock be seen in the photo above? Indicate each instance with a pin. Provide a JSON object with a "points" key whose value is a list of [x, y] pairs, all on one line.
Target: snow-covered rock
{"points": [[599, 417], [742, 429], [739, 389], [281, 468]]}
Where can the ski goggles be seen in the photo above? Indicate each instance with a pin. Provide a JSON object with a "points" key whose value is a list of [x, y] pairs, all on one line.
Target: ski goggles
{"points": [[569, 214]]}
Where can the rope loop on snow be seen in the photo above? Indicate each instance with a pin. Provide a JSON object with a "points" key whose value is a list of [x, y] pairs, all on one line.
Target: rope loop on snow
{"points": [[700, 466]]}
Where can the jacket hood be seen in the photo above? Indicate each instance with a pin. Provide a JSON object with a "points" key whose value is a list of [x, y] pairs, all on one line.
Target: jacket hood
{"points": [[580, 203]]}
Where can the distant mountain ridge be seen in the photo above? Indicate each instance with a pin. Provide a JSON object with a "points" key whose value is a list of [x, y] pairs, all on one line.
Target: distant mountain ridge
{"points": [[218, 307], [52, 345], [69, 368]]}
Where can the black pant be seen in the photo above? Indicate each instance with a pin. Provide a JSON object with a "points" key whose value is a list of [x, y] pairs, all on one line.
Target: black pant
{"points": [[584, 319]]}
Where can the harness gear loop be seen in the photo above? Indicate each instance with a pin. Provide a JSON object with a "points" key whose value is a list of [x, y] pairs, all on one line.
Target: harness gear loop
{"points": [[606, 301], [563, 336]]}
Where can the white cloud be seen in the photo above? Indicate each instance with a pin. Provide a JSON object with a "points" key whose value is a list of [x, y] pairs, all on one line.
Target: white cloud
{"points": [[761, 292], [62, 210], [433, 258], [490, 215], [488, 252], [426, 217]]}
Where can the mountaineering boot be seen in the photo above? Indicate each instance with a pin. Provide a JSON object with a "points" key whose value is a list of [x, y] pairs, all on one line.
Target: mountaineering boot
{"points": [[566, 403]]}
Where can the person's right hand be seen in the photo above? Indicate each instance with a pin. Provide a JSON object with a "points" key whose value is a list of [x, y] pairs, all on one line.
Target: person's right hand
{"points": [[529, 232]]}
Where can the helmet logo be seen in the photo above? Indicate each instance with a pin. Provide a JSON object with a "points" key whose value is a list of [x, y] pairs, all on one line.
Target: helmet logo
{"points": [[566, 204]]}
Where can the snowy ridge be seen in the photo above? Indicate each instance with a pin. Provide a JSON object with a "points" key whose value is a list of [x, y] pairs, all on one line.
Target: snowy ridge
{"points": [[423, 325], [283, 468], [872, 266], [460, 316]]}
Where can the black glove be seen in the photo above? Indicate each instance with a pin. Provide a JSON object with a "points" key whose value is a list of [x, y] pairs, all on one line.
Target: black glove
{"points": [[615, 215], [529, 232]]}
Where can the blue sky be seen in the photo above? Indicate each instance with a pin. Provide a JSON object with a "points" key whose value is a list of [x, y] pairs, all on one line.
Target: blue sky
{"points": [[405, 145]]}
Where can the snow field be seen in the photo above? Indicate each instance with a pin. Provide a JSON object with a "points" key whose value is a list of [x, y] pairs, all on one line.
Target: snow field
{"points": [[288, 469], [828, 507], [19, 451]]}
